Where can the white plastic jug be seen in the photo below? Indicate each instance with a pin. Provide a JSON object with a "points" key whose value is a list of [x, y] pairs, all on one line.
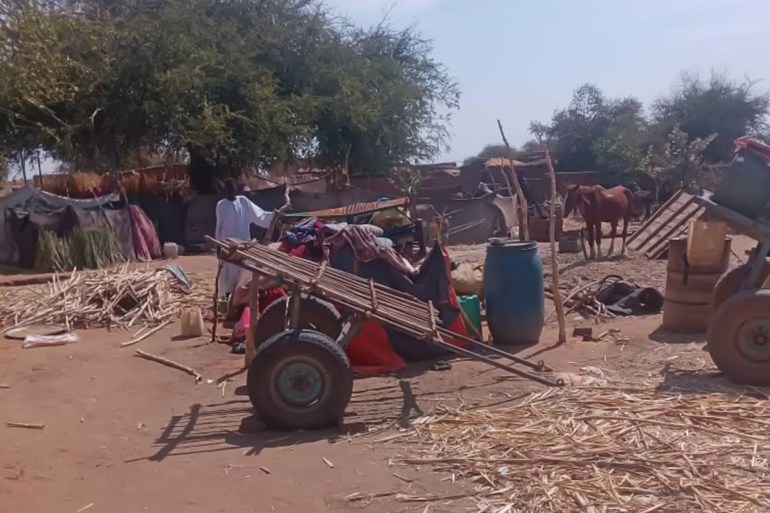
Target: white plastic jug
{"points": [[192, 323], [170, 250]]}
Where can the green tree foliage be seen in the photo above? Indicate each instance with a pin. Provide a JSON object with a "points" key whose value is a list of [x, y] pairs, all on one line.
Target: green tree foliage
{"points": [[598, 133], [233, 83], [678, 166], [719, 106]]}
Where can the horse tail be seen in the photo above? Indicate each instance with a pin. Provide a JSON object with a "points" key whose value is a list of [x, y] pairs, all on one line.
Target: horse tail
{"points": [[631, 200]]}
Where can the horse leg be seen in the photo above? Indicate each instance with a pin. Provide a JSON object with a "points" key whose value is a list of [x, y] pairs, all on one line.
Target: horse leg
{"points": [[613, 234], [626, 219], [598, 237], [590, 233]]}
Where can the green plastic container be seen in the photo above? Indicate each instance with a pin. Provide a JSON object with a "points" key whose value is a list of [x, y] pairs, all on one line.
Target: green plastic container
{"points": [[472, 308]]}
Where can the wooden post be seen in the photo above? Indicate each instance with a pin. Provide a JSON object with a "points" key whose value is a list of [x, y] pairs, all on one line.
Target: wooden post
{"points": [[253, 318], [523, 208], [557, 299], [24, 168], [40, 172]]}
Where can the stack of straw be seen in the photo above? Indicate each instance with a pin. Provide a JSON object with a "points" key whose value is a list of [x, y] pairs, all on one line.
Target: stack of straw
{"points": [[121, 298], [606, 450], [81, 249]]}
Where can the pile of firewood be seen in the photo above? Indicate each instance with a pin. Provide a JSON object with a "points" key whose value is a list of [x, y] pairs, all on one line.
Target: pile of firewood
{"points": [[115, 298]]}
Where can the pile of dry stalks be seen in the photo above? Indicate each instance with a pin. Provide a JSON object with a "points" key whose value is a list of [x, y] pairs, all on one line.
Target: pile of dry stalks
{"points": [[606, 450], [117, 298]]}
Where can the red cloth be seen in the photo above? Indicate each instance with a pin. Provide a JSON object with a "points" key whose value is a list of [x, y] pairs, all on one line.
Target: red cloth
{"points": [[366, 248], [298, 251], [146, 242], [266, 298], [756, 147], [371, 354]]}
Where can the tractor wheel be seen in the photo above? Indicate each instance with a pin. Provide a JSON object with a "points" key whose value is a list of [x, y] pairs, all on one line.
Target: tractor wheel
{"points": [[729, 284], [739, 337], [314, 314], [300, 380]]}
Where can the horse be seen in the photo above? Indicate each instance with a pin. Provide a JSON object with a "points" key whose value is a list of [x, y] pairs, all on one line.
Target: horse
{"points": [[643, 204], [597, 205]]}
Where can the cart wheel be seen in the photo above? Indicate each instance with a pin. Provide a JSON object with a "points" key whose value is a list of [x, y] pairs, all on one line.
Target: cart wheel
{"points": [[730, 284], [314, 314], [739, 337], [300, 380]]}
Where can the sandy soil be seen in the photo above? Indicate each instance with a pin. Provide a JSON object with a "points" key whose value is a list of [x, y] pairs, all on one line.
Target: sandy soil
{"points": [[128, 435]]}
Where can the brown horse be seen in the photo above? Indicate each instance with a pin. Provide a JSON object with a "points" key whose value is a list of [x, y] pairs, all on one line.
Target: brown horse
{"points": [[597, 205]]}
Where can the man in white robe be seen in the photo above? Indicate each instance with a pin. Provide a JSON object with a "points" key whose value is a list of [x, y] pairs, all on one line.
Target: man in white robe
{"points": [[235, 215]]}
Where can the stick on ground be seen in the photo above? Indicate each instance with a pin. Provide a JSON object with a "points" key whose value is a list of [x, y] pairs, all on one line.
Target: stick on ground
{"points": [[170, 363], [146, 334], [24, 425]]}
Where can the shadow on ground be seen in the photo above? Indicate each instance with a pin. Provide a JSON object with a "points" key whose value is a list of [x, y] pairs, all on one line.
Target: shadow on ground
{"points": [[666, 337]]}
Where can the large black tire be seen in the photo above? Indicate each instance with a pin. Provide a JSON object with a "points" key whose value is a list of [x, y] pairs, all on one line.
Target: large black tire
{"points": [[739, 337], [314, 314], [300, 380], [730, 284]]}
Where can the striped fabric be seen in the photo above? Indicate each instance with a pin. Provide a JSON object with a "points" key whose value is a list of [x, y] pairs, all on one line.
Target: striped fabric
{"points": [[354, 209]]}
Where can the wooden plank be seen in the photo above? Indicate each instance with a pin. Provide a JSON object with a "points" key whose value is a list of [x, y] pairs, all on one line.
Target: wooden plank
{"points": [[677, 227], [678, 212], [672, 224], [654, 217], [253, 319], [662, 220]]}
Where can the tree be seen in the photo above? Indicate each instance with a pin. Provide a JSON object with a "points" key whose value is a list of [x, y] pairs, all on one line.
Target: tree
{"points": [[617, 156], [680, 163], [720, 106], [599, 133], [231, 83]]}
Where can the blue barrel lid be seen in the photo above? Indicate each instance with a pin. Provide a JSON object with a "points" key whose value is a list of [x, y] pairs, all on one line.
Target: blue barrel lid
{"points": [[505, 243]]}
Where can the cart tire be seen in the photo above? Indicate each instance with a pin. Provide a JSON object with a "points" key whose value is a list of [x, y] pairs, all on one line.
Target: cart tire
{"points": [[730, 283], [314, 314], [739, 337], [300, 380]]}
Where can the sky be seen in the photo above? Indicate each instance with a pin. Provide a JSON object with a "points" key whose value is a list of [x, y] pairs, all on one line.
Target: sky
{"points": [[519, 60]]}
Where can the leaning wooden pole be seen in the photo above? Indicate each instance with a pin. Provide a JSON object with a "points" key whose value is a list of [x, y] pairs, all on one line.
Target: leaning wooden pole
{"points": [[557, 299], [523, 207]]}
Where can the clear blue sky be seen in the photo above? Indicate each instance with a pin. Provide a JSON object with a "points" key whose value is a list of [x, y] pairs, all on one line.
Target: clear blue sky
{"points": [[519, 60]]}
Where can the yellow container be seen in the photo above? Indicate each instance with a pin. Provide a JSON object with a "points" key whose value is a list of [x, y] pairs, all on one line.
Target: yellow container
{"points": [[706, 242]]}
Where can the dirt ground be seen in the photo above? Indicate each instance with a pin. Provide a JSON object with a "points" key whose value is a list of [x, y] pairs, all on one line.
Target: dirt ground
{"points": [[124, 434]]}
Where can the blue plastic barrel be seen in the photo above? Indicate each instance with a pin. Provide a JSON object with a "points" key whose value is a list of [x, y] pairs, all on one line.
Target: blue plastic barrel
{"points": [[513, 291]]}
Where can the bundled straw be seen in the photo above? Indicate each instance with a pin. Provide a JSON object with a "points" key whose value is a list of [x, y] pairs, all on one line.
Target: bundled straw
{"points": [[82, 249], [607, 450], [119, 297]]}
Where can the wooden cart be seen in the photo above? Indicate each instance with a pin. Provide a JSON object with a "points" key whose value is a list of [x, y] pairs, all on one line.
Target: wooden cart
{"points": [[739, 328], [300, 376]]}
